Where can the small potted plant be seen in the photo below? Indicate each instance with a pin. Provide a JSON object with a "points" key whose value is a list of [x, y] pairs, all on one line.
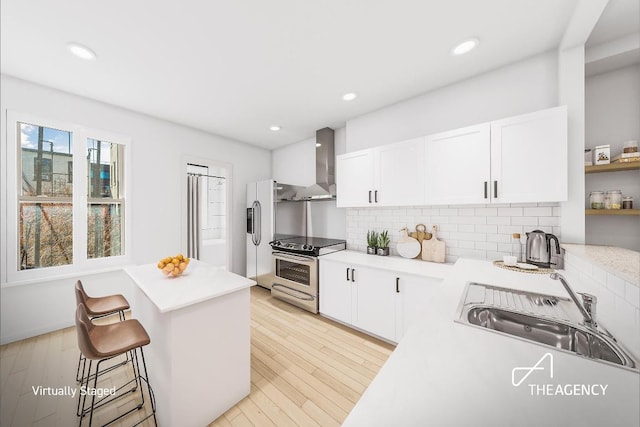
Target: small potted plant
{"points": [[383, 243], [372, 242]]}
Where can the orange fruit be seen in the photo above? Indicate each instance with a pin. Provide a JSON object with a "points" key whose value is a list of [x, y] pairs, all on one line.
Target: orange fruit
{"points": [[175, 261], [161, 265], [182, 266]]}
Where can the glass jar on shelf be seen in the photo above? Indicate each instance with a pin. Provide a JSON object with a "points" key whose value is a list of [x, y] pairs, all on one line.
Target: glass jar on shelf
{"points": [[613, 199], [596, 200], [627, 202]]}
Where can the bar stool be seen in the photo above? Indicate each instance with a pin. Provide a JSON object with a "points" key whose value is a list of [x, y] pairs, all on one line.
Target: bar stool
{"points": [[104, 342], [96, 308]]}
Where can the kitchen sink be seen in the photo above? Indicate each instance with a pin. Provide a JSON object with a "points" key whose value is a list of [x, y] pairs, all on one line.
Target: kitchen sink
{"points": [[541, 319]]}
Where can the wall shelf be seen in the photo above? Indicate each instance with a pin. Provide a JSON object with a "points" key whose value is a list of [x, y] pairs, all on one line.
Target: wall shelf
{"points": [[613, 167], [623, 212]]}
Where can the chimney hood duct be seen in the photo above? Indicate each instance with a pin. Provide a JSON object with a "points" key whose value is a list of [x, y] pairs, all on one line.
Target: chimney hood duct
{"points": [[325, 186]]}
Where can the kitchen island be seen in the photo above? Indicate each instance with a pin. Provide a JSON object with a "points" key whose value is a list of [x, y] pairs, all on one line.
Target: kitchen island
{"points": [[199, 355], [447, 373]]}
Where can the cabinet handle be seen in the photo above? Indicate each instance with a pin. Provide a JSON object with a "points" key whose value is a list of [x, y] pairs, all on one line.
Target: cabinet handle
{"points": [[495, 189], [375, 198], [353, 274], [397, 285], [347, 274], [369, 196], [485, 190]]}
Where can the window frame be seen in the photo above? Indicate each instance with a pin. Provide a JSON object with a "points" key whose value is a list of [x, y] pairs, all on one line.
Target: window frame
{"points": [[81, 263]]}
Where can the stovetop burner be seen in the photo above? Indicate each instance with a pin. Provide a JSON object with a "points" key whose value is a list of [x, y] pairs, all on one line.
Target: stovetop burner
{"points": [[313, 246]]}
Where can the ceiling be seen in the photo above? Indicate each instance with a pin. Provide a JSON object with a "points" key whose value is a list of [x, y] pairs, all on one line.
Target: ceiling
{"points": [[235, 68], [619, 18]]}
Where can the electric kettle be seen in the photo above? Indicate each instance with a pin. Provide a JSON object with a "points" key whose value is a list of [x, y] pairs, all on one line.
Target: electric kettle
{"points": [[539, 248]]}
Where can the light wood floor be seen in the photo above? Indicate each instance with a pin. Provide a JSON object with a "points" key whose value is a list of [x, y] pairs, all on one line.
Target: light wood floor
{"points": [[305, 370]]}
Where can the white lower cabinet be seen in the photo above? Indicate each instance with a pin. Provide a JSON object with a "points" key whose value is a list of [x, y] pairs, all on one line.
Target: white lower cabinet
{"points": [[335, 290], [415, 296], [378, 301], [375, 302]]}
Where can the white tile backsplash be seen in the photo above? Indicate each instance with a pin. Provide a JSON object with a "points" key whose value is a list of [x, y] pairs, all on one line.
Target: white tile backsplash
{"points": [[474, 231], [618, 299]]}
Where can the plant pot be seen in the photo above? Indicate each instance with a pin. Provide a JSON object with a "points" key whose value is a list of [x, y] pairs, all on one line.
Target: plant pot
{"points": [[371, 250], [383, 251]]}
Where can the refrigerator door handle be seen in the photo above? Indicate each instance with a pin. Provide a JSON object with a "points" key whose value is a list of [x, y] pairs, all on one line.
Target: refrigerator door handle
{"points": [[257, 227], [253, 223]]}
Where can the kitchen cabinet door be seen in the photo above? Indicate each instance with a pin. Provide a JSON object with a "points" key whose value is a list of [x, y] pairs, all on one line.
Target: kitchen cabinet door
{"points": [[335, 290], [399, 174], [354, 181], [416, 296], [529, 157], [457, 166], [375, 302]]}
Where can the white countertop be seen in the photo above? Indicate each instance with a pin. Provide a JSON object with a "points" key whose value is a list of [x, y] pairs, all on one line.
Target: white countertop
{"points": [[450, 374], [200, 282], [405, 265], [620, 262]]}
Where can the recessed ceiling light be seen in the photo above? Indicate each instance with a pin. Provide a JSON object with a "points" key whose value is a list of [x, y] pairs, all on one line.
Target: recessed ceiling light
{"points": [[349, 96], [318, 144], [274, 128], [465, 47], [82, 52]]}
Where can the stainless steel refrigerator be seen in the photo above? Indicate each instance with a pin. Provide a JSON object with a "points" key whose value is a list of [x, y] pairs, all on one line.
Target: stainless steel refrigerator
{"points": [[270, 214]]}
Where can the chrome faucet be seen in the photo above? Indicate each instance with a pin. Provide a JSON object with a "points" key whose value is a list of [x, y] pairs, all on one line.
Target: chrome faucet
{"points": [[588, 305]]}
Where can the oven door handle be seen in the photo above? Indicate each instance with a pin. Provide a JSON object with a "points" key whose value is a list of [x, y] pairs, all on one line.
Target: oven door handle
{"points": [[301, 295], [288, 256]]}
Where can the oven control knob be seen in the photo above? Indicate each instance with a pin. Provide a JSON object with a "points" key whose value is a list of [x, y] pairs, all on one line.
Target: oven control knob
{"points": [[307, 247], [277, 243]]}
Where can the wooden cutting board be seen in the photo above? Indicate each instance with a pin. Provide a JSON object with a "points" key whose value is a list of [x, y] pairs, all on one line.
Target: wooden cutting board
{"points": [[433, 249], [420, 235]]}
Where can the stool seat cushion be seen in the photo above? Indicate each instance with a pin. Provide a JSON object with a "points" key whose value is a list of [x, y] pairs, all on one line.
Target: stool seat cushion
{"points": [[97, 306], [103, 341], [117, 338]]}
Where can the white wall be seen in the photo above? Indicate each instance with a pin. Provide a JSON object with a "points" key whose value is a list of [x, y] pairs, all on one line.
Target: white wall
{"points": [[158, 148], [571, 93], [295, 164], [612, 112], [482, 231], [523, 87]]}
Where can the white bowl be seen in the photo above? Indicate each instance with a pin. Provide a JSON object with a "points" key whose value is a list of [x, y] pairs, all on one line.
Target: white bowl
{"points": [[510, 260]]}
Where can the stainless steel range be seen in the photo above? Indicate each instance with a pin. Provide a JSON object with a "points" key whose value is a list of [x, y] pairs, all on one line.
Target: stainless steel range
{"points": [[295, 263]]}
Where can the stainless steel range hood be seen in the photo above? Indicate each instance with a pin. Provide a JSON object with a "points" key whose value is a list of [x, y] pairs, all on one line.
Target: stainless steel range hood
{"points": [[325, 186]]}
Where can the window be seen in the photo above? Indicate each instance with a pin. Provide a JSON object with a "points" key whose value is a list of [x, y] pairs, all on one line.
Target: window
{"points": [[45, 201], [105, 204], [66, 192]]}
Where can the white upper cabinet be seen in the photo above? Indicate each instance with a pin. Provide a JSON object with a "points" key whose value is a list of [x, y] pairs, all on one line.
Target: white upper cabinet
{"points": [[354, 181], [399, 173], [514, 160], [391, 175], [457, 166], [529, 157]]}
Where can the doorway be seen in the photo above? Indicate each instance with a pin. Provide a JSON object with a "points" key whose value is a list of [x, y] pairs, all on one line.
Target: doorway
{"points": [[207, 213]]}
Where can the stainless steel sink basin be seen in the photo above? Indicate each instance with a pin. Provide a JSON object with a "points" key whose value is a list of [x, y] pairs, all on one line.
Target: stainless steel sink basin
{"points": [[541, 319]]}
